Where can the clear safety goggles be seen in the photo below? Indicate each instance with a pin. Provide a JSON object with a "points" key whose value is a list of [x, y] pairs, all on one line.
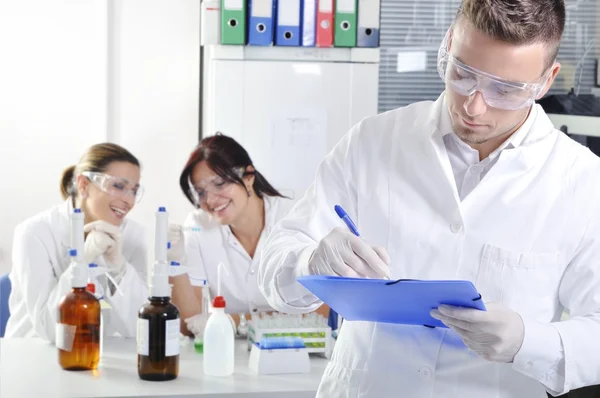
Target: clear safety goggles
{"points": [[496, 92], [114, 186], [216, 185]]}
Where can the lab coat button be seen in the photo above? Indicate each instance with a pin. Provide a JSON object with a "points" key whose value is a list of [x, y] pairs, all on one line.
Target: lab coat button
{"points": [[456, 228], [252, 272], [425, 372]]}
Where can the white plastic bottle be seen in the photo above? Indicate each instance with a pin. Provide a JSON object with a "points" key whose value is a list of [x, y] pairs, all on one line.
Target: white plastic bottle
{"points": [[218, 342]]}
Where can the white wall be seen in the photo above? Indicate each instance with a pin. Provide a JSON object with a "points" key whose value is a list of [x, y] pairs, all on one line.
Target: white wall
{"points": [[74, 73], [52, 100], [155, 68]]}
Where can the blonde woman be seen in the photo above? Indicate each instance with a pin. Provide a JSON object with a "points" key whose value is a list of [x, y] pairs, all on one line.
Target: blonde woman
{"points": [[105, 185]]}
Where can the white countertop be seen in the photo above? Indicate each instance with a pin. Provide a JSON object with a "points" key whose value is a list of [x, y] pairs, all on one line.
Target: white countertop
{"points": [[29, 369]]}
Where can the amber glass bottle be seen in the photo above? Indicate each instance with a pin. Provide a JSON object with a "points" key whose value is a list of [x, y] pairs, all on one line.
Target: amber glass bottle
{"points": [[158, 340], [78, 330]]}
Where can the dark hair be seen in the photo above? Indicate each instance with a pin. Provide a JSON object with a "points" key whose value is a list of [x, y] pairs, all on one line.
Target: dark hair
{"points": [[518, 21], [96, 159], [223, 155]]}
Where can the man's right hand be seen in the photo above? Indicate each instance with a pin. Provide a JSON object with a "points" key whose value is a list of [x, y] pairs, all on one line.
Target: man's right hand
{"points": [[342, 253]]}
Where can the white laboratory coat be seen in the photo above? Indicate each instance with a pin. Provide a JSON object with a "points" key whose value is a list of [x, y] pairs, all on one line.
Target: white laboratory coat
{"points": [[39, 280], [215, 243], [527, 236]]}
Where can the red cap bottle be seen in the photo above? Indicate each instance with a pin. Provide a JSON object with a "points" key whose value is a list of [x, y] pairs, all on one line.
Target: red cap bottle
{"points": [[91, 288], [219, 302]]}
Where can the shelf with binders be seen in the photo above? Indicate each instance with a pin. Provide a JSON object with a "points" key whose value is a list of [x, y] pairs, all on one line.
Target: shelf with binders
{"points": [[291, 23]]}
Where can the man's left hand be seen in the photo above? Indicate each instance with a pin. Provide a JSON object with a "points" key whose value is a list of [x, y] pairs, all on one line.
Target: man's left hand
{"points": [[495, 334]]}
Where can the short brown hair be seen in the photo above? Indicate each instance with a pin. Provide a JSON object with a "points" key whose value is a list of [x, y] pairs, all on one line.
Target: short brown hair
{"points": [[96, 159], [518, 22]]}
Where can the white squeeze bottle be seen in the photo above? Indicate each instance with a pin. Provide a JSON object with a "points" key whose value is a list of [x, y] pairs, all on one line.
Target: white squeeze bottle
{"points": [[218, 338]]}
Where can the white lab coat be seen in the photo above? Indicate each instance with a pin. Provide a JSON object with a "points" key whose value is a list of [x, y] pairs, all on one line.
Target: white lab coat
{"points": [[215, 243], [527, 236], [39, 280]]}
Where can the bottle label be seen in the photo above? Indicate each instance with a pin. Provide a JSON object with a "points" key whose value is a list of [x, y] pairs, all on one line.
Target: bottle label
{"points": [[143, 336], [65, 335], [172, 338]]}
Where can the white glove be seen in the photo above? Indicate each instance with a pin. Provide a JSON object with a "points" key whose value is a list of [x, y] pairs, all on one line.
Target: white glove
{"points": [[197, 323], [177, 240], [496, 334], [342, 253], [104, 239]]}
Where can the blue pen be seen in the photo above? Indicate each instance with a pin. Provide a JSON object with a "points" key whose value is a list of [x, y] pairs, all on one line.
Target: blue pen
{"points": [[346, 218]]}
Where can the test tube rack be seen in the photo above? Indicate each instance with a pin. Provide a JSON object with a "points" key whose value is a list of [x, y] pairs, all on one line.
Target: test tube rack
{"points": [[317, 340]]}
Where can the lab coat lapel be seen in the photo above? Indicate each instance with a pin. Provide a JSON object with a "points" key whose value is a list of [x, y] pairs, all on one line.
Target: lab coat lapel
{"points": [[445, 168], [427, 127], [532, 150], [515, 162]]}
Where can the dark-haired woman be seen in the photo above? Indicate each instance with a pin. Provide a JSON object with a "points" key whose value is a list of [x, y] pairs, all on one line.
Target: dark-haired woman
{"points": [[105, 185], [236, 207]]}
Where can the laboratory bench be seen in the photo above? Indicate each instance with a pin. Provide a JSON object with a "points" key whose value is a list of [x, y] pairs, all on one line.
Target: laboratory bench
{"points": [[29, 368]]}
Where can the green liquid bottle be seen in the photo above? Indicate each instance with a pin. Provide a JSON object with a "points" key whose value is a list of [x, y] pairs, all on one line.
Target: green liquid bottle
{"points": [[199, 345]]}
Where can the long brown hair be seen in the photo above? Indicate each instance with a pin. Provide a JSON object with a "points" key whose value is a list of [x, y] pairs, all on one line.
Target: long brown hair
{"points": [[223, 155], [96, 159]]}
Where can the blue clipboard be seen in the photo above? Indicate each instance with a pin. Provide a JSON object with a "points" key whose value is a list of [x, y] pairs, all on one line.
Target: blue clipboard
{"points": [[404, 301]]}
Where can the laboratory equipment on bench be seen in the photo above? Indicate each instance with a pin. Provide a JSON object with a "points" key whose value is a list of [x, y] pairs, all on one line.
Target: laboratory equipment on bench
{"points": [[279, 355], [206, 305], [242, 329], [78, 323], [95, 287], [158, 320], [76, 236], [219, 356], [311, 328]]}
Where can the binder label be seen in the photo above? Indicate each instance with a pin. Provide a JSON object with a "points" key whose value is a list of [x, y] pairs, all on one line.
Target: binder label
{"points": [[234, 4], [262, 8], [326, 6], [346, 6], [368, 14], [289, 15]]}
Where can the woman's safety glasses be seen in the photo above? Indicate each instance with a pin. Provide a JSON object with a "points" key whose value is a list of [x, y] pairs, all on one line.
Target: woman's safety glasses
{"points": [[496, 92], [114, 186], [215, 185]]}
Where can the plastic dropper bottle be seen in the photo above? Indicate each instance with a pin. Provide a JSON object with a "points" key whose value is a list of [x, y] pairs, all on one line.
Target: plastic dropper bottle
{"points": [[219, 357], [78, 324], [158, 320]]}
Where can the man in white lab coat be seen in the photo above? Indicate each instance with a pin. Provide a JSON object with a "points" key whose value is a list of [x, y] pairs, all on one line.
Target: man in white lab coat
{"points": [[479, 186]]}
